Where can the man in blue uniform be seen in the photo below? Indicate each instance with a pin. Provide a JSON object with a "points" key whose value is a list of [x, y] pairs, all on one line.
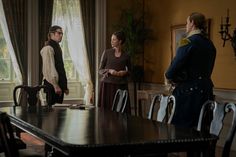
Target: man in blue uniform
{"points": [[190, 72]]}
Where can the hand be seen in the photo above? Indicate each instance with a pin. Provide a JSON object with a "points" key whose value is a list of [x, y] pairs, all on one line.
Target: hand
{"points": [[122, 73], [67, 91], [171, 82], [112, 71], [105, 74], [58, 90]]}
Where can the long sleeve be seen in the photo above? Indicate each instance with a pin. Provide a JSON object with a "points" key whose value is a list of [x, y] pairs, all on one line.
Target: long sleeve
{"points": [[121, 65], [177, 69], [49, 71]]}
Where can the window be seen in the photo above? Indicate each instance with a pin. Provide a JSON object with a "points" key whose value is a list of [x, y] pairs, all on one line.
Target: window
{"points": [[62, 12], [6, 69], [7, 75], [68, 64]]}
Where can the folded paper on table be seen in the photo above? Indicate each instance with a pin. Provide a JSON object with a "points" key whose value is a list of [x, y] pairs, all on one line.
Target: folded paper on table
{"points": [[75, 106], [61, 105], [81, 106]]}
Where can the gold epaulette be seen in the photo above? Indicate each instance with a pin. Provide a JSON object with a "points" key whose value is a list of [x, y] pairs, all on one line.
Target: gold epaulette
{"points": [[183, 42]]}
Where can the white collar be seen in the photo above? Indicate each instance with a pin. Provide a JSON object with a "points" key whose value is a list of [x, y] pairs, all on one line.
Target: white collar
{"points": [[196, 31]]}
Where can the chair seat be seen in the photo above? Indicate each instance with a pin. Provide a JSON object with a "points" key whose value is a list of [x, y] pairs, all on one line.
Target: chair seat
{"points": [[211, 121]]}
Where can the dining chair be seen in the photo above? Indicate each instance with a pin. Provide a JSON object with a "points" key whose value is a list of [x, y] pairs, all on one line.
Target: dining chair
{"points": [[32, 94], [32, 99], [20, 144], [211, 120], [166, 107], [8, 142], [120, 100]]}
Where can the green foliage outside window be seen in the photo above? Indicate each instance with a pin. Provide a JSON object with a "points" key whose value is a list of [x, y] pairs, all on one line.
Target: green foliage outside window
{"points": [[5, 62]]}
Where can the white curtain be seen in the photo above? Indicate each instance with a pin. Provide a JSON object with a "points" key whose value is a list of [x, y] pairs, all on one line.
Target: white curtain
{"points": [[5, 30], [68, 16]]}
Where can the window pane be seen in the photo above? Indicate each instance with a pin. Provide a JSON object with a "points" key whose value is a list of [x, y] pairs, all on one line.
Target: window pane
{"points": [[70, 70], [8, 78], [61, 18], [64, 47], [4, 59], [3, 46], [69, 67], [4, 69]]}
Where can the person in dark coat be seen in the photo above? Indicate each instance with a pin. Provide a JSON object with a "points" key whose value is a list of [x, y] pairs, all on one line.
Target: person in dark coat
{"points": [[190, 72], [53, 67]]}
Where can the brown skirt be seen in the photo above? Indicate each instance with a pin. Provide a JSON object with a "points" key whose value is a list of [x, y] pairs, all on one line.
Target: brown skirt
{"points": [[106, 95]]}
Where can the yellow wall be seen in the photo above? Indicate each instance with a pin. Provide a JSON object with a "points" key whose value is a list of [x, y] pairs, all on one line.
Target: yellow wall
{"points": [[164, 14]]}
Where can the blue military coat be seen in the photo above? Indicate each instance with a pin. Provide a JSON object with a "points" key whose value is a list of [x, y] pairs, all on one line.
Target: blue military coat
{"points": [[190, 72]]}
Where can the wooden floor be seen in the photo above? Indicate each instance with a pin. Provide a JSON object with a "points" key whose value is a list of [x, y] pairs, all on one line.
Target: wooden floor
{"points": [[33, 144]]}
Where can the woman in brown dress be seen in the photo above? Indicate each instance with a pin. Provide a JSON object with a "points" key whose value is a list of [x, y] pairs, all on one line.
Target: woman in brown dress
{"points": [[114, 67]]}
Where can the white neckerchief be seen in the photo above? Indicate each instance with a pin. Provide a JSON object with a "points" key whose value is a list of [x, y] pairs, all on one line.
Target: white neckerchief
{"points": [[196, 31]]}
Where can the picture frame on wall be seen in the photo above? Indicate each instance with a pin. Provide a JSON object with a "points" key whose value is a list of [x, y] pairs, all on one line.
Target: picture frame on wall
{"points": [[178, 32]]}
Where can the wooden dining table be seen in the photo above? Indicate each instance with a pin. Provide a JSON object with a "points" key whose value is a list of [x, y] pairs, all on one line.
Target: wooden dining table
{"points": [[89, 131]]}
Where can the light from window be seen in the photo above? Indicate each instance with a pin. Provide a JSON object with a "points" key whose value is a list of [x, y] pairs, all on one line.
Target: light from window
{"points": [[69, 67], [5, 60], [61, 18]]}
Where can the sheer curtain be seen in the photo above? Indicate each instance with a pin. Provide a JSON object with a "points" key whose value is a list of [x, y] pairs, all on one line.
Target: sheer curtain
{"points": [[5, 30], [68, 16]]}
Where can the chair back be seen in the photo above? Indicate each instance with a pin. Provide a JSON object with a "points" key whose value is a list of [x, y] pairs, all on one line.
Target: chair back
{"points": [[7, 138], [211, 120], [166, 107], [120, 100], [31, 92]]}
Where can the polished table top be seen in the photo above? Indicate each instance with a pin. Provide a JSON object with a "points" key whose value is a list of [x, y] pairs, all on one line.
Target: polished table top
{"points": [[75, 131]]}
